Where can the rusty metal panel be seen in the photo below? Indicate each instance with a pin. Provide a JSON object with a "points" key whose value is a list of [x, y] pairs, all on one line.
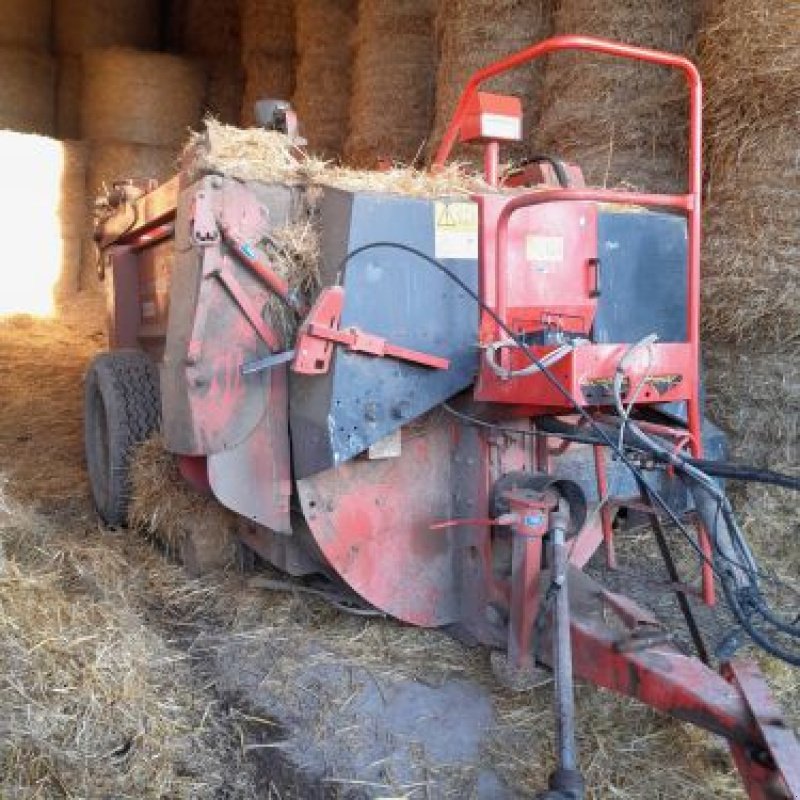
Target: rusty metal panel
{"points": [[208, 406], [371, 519]]}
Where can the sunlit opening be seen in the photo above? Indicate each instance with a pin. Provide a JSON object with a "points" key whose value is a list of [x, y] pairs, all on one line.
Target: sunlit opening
{"points": [[33, 252]]}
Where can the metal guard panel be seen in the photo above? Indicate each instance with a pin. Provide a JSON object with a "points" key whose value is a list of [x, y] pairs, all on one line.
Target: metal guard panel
{"points": [[371, 520], [207, 405], [395, 295], [253, 479]]}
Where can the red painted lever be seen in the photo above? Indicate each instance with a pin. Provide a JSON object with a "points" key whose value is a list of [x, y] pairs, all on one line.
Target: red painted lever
{"points": [[321, 331]]}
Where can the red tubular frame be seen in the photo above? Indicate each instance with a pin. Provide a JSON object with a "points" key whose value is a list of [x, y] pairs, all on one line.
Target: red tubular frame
{"points": [[689, 204]]}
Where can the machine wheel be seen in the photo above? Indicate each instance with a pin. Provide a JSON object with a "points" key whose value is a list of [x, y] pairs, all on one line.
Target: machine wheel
{"points": [[121, 409]]}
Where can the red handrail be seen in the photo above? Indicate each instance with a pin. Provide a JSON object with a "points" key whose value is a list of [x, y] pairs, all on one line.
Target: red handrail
{"points": [[690, 203]]}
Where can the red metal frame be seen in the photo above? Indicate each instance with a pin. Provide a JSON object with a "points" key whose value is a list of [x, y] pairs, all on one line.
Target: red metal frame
{"points": [[690, 203]]}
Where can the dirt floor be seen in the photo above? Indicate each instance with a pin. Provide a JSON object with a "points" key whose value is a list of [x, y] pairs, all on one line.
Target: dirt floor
{"points": [[122, 677]]}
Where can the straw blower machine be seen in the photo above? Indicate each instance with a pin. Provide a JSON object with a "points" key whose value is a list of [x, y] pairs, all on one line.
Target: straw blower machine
{"points": [[480, 394]]}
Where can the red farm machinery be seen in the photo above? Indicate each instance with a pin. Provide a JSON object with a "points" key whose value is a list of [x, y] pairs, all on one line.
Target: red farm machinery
{"points": [[475, 392]]}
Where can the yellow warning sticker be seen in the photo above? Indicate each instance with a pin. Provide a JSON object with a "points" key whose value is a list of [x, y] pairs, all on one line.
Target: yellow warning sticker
{"points": [[456, 230]]}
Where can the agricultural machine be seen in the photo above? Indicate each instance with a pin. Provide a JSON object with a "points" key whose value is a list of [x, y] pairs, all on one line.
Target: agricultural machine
{"points": [[477, 390]]}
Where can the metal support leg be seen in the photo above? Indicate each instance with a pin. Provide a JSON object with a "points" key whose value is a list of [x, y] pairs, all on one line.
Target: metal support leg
{"points": [[605, 512], [566, 781]]}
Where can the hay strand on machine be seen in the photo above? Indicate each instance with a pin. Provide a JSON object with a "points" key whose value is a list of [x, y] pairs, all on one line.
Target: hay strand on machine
{"points": [[268, 27], [474, 33], [623, 123], [134, 96], [27, 91], [322, 93], [750, 59], [81, 25], [26, 23], [255, 154], [391, 107]]}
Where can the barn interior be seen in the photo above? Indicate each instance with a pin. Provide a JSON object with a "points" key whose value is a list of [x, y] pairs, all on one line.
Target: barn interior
{"points": [[126, 673]]}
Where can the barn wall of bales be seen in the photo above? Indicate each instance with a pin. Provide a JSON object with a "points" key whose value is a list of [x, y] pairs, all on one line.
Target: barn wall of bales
{"points": [[750, 57], [322, 93], [391, 108], [473, 33], [623, 123], [268, 53]]}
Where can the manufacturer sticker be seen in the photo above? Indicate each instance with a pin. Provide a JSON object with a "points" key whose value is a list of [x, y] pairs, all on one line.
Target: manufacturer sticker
{"points": [[544, 248], [499, 126], [456, 230]]}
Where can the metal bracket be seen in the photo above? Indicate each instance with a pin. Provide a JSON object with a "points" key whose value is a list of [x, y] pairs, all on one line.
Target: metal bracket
{"points": [[320, 332]]}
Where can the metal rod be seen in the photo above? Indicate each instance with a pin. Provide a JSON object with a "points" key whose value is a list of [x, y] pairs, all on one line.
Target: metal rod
{"points": [[562, 654], [674, 576]]}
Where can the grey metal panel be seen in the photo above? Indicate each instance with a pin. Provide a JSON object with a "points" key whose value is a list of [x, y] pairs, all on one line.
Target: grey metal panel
{"points": [[644, 261], [398, 296]]}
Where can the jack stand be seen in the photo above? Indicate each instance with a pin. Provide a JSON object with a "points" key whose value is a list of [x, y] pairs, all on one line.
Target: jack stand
{"points": [[566, 782]]}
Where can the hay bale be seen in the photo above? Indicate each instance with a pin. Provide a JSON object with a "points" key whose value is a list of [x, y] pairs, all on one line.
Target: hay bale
{"points": [[134, 96], [474, 33], [27, 91], [73, 204], [72, 214], [205, 28], [267, 27], [266, 76], [755, 396], [68, 97], [322, 95], [750, 57], [623, 123], [391, 109], [26, 23], [163, 506], [81, 25], [225, 90]]}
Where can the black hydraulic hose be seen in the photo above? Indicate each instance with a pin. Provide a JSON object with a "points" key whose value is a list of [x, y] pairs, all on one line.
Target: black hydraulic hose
{"points": [[730, 470], [742, 472]]}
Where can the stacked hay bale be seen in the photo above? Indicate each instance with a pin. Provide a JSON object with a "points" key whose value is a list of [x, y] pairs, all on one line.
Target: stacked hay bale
{"points": [[474, 33], [322, 94], [394, 70], [27, 91], [750, 57], [624, 123], [136, 110], [268, 52], [82, 25], [41, 206], [210, 31]]}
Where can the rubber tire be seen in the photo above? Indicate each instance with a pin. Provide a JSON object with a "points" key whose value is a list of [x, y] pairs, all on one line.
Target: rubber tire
{"points": [[122, 408]]}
